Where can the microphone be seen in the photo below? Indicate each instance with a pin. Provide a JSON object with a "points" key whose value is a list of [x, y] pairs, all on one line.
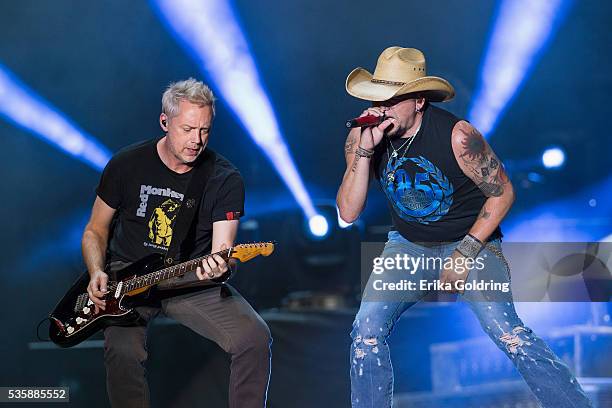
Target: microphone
{"points": [[365, 121]]}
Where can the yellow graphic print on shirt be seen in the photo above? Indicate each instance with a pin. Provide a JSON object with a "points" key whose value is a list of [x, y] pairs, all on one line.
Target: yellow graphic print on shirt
{"points": [[160, 224]]}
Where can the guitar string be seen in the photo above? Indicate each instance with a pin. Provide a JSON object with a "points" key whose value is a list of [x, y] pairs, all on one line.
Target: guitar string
{"points": [[191, 262], [112, 286]]}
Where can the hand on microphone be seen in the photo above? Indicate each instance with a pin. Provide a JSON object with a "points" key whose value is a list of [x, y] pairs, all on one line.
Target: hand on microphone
{"points": [[372, 135]]}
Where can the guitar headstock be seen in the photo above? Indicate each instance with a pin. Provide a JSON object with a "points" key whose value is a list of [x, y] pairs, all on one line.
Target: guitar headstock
{"points": [[245, 252]]}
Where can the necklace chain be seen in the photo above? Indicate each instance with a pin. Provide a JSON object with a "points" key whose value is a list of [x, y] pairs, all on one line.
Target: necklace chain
{"points": [[408, 141], [391, 175]]}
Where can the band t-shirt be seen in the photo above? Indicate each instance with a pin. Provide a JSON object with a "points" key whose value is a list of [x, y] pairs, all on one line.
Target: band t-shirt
{"points": [[430, 198], [148, 195]]}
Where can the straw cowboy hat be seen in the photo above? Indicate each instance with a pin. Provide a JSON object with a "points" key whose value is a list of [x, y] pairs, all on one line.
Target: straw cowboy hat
{"points": [[398, 71]]}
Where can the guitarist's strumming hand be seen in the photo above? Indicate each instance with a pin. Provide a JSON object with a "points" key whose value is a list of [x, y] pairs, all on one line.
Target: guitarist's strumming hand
{"points": [[97, 289], [212, 266]]}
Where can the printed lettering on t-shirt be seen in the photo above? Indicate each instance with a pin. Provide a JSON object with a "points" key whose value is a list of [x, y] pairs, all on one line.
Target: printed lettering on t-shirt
{"points": [[146, 191], [160, 224]]}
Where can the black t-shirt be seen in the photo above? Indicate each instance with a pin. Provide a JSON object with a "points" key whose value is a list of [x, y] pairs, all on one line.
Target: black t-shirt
{"points": [[430, 198], [147, 196]]}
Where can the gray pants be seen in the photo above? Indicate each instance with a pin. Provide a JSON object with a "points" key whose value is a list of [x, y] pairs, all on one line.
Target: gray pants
{"points": [[220, 314]]}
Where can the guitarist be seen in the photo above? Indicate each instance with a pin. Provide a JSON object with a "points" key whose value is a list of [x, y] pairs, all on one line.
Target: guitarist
{"points": [[140, 193]]}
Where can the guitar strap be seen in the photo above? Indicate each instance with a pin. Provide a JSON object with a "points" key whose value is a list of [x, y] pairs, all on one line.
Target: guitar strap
{"points": [[187, 213]]}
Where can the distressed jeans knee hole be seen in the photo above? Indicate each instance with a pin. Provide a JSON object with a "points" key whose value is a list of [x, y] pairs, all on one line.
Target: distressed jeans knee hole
{"points": [[513, 340]]}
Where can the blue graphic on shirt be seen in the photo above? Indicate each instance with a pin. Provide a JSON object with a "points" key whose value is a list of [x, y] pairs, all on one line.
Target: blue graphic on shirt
{"points": [[425, 199]]}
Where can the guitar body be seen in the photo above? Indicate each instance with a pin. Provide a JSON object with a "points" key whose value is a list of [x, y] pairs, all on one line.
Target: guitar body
{"points": [[74, 319], [75, 310]]}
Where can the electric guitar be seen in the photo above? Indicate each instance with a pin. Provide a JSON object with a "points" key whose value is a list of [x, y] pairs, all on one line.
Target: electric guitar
{"points": [[74, 319]]}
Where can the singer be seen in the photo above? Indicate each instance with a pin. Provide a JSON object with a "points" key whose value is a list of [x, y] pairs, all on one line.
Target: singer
{"points": [[445, 187]]}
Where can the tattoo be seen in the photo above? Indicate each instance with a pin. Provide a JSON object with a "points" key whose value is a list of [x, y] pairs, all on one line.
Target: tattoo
{"points": [[354, 166], [491, 189], [484, 213], [487, 171], [348, 146], [474, 147], [494, 163]]}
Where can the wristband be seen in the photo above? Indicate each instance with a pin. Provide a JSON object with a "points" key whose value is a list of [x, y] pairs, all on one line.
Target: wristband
{"points": [[470, 246]]}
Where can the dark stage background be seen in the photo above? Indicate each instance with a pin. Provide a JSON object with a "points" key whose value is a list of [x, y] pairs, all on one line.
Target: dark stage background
{"points": [[104, 65]]}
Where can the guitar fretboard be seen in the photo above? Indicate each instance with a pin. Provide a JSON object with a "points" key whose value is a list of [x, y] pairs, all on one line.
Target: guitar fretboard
{"points": [[169, 272]]}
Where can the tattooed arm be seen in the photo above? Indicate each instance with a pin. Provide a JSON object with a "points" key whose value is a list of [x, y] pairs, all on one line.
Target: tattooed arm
{"points": [[478, 161], [353, 191]]}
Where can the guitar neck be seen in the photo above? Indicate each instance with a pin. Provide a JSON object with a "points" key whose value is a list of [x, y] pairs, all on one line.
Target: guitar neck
{"points": [[170, 272]]}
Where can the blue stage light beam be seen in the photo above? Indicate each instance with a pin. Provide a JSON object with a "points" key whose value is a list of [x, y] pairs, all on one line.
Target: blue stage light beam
{"points": [[522, 30], [209, 30], [24, 108]]}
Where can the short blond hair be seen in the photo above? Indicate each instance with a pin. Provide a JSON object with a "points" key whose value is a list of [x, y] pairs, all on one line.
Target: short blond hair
{"points": [[189, 90]]}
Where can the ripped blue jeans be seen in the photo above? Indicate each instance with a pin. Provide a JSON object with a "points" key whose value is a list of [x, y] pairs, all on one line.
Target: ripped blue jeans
{"points": [[371, 371]]}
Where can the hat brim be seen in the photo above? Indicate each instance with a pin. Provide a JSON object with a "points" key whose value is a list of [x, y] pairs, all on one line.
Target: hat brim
{"points": [[359, 84]]}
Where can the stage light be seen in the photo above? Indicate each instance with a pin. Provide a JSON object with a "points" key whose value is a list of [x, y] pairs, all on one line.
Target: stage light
{"points": [[553, 157], [319, 227], [210, 31], [521, 31], [320, 257], [23, 107]]}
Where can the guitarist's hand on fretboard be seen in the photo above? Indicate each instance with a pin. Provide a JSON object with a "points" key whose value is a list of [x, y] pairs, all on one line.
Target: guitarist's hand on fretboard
{"points": [[212, 267]]}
